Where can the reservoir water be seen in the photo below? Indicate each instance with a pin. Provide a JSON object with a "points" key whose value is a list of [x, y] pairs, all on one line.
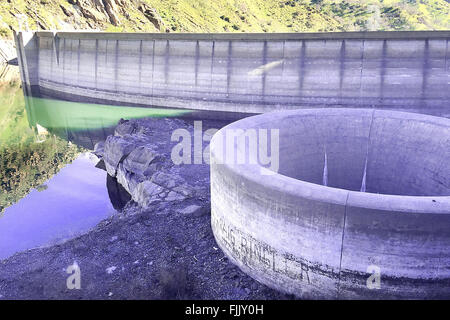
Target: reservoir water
{"points": [[71, 202], [50, 190]]}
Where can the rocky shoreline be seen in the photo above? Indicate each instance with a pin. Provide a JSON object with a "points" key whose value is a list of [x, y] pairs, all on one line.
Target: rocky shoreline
{"points": [[158, 246], [144, 168]]}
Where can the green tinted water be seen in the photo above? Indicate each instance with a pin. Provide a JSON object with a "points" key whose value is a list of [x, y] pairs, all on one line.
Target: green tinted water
{"points": [[40, 136]]}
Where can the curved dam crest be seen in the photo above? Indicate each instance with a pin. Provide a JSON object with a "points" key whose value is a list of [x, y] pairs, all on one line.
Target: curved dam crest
{"points": [[247, 73]]}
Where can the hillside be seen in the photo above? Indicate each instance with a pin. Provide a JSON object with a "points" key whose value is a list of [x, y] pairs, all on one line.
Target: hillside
{"points": [[226, 15]]}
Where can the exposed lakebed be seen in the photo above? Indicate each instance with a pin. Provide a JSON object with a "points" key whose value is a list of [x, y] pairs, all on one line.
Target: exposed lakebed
{"points": [[162, 250], [59, 208]]}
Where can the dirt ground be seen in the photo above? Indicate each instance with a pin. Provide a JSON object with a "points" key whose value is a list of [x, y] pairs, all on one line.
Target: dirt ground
{"points": [[156, 253]]}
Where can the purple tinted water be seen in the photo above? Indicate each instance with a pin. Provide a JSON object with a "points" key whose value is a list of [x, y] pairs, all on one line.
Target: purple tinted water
{"points": [[75, 200]]}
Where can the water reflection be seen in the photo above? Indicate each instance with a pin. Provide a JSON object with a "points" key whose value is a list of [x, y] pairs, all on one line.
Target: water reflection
{"points": [[25, 161], [83, 123], [117, 194], [71, 202], [50, 190], [35, 131]]}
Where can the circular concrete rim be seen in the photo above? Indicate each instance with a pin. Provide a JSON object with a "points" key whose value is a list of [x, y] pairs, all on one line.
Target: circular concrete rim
{"points": [[308, 190]]}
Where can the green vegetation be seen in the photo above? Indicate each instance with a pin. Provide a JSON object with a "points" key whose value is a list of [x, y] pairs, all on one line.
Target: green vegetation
{"points": [[28, 165], [24, 163], [14, 128], [227, 15]]}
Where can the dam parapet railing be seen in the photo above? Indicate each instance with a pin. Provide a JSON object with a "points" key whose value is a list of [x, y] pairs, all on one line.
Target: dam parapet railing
{"points": [[241, 72]]}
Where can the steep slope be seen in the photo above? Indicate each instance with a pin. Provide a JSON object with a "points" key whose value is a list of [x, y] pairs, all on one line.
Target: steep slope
{"points": [[225, 15]]}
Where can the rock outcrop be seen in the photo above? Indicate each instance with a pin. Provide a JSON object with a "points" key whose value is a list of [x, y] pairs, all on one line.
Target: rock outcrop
{"points": [[7, 51], [152, 15], [148, 176], [68, 15], [99, 10], [8, 55]]}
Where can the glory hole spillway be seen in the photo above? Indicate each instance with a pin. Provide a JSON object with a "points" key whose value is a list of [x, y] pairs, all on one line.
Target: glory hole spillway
{"points": [[364, 177]]}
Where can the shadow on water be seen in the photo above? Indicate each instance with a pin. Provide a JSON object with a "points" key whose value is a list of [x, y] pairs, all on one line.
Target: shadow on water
{"points": [[117, 194]]}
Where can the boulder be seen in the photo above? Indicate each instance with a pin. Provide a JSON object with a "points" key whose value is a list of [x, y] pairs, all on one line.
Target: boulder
{"points": [[195, 210], [167, 180], [116, 150], [184, 189], [93, 158], [139, 160], [130, 156], [99, 149], [125, 127], [127, 179], [147, 193], [173, 196]]}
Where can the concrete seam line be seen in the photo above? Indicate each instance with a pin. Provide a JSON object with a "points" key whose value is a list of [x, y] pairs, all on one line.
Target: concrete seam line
{"points": [[369, 139], [315, 211], [342, 248]]}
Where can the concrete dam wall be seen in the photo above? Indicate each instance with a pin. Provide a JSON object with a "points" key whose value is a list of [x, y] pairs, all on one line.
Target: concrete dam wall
{"points": [[250, 73], [359, 189]]}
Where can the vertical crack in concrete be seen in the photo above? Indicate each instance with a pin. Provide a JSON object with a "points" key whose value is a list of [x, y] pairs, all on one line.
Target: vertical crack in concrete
{"points": [[213, 50], [153, 66], [56, 41], [116, 65], [166, 63], [64, 62], [446, 55], [71, 52], [140, 64], [301, 71], [346, 201], [197, 61], [96, 63], [383, 70], [78, 59], [342, 247], [363, 183], [325, 170], [52, 57], [229, 67], [425, 69], [361, 72], [106, 53], [369, 139], [341, 69], [263, 78]]}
